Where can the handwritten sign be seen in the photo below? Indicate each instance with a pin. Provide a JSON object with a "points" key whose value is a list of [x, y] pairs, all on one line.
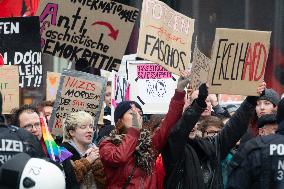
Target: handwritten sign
{"points": [[153, 93], [52, 83], [165, 36], [239, 58], [9, 87], [20, 45], [97, 30], [77, 91], [200, 68]]}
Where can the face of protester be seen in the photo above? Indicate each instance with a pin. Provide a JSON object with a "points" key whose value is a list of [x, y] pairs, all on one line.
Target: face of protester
{"points": [[108, 96], [264, 107], [83, 134], [30, 122], [211, 130], [267, 129], [128, 116], [47, 110]]}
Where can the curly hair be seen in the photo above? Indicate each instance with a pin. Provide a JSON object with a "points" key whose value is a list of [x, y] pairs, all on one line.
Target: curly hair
{"points": [[17, 112], [210, 121], [74, 120]]}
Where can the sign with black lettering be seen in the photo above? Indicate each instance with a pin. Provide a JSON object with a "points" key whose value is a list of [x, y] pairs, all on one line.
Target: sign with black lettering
{"points": [[239, 61], [97, 30], [77, 91], [151, 86], [20, 45], [200, 68], [165, 36], [9, 87]]}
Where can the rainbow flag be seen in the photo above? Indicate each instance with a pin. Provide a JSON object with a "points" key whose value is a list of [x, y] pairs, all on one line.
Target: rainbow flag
{"points": [[55, 152]]}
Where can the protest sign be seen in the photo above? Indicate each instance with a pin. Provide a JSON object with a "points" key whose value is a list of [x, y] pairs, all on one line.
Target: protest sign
{"points": [[20, 45], [52, 83], [239, 61], [97, 30], [200, 68], [77, 91], [151, 86], [165, 36], [9, 87]]}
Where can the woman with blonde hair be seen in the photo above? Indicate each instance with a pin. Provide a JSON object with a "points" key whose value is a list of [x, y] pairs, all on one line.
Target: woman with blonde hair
{"points": [[78, 132]]}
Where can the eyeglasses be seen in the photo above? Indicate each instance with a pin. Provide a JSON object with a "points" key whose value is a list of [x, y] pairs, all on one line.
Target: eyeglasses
{"points": [[29, 127], [87, 126], [211, 133]]}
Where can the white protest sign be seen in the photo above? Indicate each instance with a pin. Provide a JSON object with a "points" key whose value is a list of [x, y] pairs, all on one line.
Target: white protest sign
{"points": [[151, 86]]}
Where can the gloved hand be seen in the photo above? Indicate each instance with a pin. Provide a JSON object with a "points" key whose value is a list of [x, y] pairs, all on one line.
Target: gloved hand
{"points": [[203, 93], [183, 80]]}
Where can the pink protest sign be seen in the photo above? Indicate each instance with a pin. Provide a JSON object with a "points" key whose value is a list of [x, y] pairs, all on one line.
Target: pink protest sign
{"points": [[152, 71]]}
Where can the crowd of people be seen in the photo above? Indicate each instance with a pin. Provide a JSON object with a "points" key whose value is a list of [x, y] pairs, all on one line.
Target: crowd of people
{"points": [[197, 145]]}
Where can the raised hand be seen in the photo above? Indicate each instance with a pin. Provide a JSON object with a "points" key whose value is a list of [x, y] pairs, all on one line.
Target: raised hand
{"points": [[183, 80]]}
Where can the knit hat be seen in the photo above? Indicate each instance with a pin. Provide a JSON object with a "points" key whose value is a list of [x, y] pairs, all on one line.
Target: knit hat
{"points": [[270, 95], [266, 119], [122, 108], [280, 111]]}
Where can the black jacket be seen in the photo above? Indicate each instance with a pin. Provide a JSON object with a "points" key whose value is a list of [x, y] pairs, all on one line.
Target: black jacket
{"points": [[204, 153], [14, 140], [259, 164]]}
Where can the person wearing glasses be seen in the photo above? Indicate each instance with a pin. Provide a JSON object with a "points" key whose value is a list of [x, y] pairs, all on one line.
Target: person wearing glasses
{"points": [[27, 117], [78, 132], [210, 126]]}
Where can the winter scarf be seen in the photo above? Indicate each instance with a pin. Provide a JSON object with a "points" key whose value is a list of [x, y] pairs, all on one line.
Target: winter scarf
{"points": [[144, 154]]}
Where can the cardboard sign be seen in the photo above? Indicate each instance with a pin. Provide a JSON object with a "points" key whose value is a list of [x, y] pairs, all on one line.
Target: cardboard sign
{"points": [[9, 87], [97, 30], [20, 45], [77, 91], [239, 58], [165, 36], [151, 86], [52, 83], [200, 68]]}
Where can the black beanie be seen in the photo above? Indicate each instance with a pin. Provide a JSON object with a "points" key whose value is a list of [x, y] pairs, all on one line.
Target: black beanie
{"points": [[123, 107], [270, 95], [280, 111], [266, 119]]}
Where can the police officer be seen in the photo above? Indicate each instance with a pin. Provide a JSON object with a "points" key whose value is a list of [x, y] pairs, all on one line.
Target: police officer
{"points": [[260, 163], [14, 140]]}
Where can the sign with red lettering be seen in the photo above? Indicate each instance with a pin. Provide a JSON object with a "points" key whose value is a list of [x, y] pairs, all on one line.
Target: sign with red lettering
{"points": [[77, 91], [239, 61], [165, 36], [151, 86], [97, 30], [9, 87]]}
